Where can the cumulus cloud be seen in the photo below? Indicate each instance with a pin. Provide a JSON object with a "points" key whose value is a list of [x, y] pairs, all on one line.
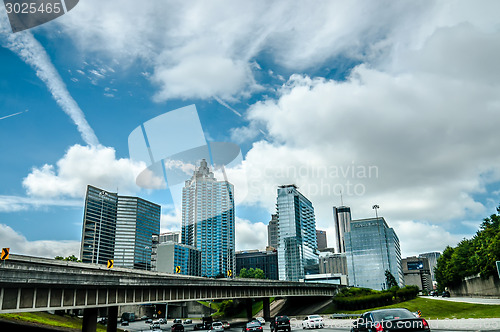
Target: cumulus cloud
{"points": [[80, 166], [18, 244], [250, 235], [18, 203]]}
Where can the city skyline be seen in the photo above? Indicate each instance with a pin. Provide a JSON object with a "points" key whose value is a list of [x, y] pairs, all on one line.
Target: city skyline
{"points": [[387, 103]]}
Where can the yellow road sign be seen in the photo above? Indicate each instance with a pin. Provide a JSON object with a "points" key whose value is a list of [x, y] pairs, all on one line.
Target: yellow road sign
{"points": [[229, 273], [110, 263], [177, 269], [5, 254]]}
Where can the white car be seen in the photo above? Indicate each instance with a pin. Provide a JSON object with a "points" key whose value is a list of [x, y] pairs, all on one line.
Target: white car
{"points": [[313, 321], [217, 327], [261, 320]]}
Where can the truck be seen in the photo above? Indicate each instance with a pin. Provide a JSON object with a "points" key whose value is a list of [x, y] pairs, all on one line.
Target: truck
{"points": [[128, 316]]}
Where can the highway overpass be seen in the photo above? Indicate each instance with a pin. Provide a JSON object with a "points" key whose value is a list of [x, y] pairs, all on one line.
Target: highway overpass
{"points": [[38, 284]]}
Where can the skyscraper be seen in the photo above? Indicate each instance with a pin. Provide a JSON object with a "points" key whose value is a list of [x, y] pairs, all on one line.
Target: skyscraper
{"points": [[99, 226], [342, 220], [297, 244], [137, 220], [208, 221], [432, 257], [272, 232], [371, 249], [119, 228], [321, 238]]}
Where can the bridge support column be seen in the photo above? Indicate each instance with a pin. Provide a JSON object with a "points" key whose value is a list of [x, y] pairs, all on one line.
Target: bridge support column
{"points": [[89, 320], [112, 319], [266, 308], [248, 305]]}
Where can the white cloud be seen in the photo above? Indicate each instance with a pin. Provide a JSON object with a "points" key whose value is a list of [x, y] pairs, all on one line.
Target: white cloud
{"points": [[18, 244], [17, 203], [171, 222], [250, 235], [80, 166]]}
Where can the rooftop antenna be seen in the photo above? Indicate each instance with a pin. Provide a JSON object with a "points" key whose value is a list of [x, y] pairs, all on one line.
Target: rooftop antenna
{"points": [[376, 207], [341, 198]]}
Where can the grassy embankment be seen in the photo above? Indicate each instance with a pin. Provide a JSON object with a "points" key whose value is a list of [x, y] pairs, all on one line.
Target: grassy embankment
{"points": [[44, 318], [436, 309]]}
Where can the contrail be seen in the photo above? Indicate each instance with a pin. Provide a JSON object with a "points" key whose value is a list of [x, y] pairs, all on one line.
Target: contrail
{"points": [[8, 116], [223, 103], [32, 52]]}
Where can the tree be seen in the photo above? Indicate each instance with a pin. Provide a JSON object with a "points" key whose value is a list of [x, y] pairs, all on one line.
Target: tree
{"points": [[71, 258], [390, 280], [252, 273]]}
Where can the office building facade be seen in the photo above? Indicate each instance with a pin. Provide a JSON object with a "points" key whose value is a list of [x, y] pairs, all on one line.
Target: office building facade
{"points": [[272, 232], [208, 221], [267, 261], [297, 243], [177, 258], [321, 239], [432, 257], [342, 221], [333, 263], [170, 237], [372, 247], [137, 220], [118, 228]]}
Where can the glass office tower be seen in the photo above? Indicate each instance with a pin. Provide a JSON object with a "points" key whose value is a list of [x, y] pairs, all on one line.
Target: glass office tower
{"points": [[99, 226], [342, 220], [119, 228], [371, 249], [137, 220], [208, 221], [297, 244]]}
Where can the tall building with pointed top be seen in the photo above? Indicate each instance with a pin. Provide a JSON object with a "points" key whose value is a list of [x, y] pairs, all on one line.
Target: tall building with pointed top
{"points": [[297, 244], [208, 221], [342, 220]]}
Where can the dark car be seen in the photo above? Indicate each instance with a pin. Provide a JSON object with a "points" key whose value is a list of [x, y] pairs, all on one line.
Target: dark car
{"points": [[124, 323], [225, 324], [433, 293], [177, 327], [280, 323], [253, 326], [198, 327], [386, 320], [445, 294], [149, 321]]}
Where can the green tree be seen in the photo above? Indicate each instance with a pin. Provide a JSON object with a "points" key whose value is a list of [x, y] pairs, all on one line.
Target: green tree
{"points": [[71, 258], [390, 281], [252, 273]]}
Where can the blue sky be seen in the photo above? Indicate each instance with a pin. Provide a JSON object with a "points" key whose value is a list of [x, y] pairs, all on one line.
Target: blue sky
{"points": [[326, 93]]}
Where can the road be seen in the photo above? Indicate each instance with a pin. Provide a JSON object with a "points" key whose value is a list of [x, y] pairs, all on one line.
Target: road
{"points": [[477, 300], [343, 325]]}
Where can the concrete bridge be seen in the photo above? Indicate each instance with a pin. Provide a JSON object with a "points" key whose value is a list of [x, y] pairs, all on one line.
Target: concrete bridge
{"points": [[38, 284]]}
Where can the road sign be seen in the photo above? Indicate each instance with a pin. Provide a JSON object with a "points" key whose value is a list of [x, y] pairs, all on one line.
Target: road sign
{"points": [[110, 263], [229, 273], [419, 313], [498, 268], [177, 269], [5, 254], [159, 312]]}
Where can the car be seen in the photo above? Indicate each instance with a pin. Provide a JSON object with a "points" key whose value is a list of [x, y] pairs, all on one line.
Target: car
{"points": [[261, 320], [313, 321], [198, 327], [124, 323], [144, 317], [225, 324], [445, 294], [148, 321], [162, 320], [102, 320], [280, 323], [177, 327], [433, 293], [252, 326], [188, 321], [155, 326], [177, 321], [383, 320], [217, 327]]}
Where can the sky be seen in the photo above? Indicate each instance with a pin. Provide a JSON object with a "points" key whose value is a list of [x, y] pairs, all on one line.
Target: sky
{"points": [[393, 103]]}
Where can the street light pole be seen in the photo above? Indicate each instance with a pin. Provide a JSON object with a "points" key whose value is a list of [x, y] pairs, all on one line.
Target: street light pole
{"points": [[376, 207], [101, 194]]}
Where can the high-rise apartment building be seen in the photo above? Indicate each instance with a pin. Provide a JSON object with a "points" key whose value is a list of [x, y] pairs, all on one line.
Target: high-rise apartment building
{"points": [[272, 232], [321, 238], [342, 220], [208, 221], [119, 228], [99, 226], [372, 247], [137, 220], [297, 244]]}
